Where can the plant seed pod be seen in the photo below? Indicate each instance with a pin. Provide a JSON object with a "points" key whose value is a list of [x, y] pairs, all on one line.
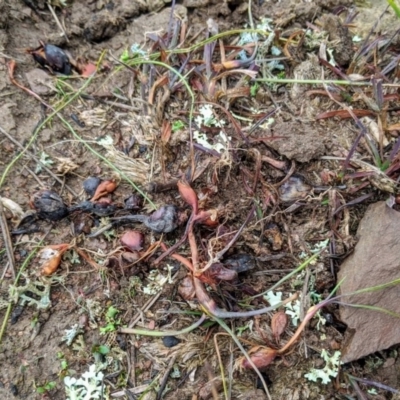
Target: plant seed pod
{"points": [[278, 324], [130, 256], [219, 272], [133, 240], [49, 205], [51, 258], [261, 357], [105, 187], [188, 195], [186, 289]]}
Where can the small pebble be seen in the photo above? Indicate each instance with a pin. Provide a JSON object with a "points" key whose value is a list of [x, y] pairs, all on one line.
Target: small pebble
{"points": [[170, 341]]}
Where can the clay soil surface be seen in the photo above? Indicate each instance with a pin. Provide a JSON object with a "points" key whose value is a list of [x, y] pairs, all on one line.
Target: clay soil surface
{"points": [[255, 153]]}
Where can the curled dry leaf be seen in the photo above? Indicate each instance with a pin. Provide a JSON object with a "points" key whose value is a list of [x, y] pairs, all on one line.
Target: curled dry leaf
{"points": [[188, 194], [50, 256], [105, 187], [261, 357], [133, 240], [278, 324]]}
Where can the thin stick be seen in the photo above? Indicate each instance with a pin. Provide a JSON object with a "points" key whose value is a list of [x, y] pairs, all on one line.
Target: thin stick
{"points": [[35, 177], [57, 21], [164, 379], [7, 240], [147, 332], [221, 365], [321, 81]]}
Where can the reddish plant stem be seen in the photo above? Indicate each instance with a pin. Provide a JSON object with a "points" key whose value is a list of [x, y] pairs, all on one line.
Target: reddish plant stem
{"points": [[11, 69]]}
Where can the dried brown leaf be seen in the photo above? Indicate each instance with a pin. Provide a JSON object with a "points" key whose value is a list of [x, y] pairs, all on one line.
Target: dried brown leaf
{"points": [[278, 324]]}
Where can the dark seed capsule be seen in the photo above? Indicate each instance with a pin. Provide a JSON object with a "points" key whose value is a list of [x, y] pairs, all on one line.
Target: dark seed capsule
{"points": [[52, 58], [57, 59], [49, 205], [170, 341], [90, 185]]}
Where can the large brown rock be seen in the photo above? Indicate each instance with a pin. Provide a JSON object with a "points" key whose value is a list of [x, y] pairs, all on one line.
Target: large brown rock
{"points": [[375, 261]]}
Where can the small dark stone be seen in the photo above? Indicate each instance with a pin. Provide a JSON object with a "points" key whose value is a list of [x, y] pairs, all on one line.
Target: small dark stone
{"points": [[142, 149], [170, 341], [13, 389], [90, 185]]}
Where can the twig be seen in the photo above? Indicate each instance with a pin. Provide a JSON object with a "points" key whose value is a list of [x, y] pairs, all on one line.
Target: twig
{"points": [[221, 365], [164, 379], [35, 177], [321, 81], [288, 175], [7, 240], [146, 332], [57, 21]]}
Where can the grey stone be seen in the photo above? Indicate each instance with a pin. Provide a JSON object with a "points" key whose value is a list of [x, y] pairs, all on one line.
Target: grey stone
{"points": [[40, 81]]}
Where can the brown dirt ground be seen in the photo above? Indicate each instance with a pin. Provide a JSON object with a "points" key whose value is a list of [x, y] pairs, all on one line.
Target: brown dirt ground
{"points": [[32, 347]]}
